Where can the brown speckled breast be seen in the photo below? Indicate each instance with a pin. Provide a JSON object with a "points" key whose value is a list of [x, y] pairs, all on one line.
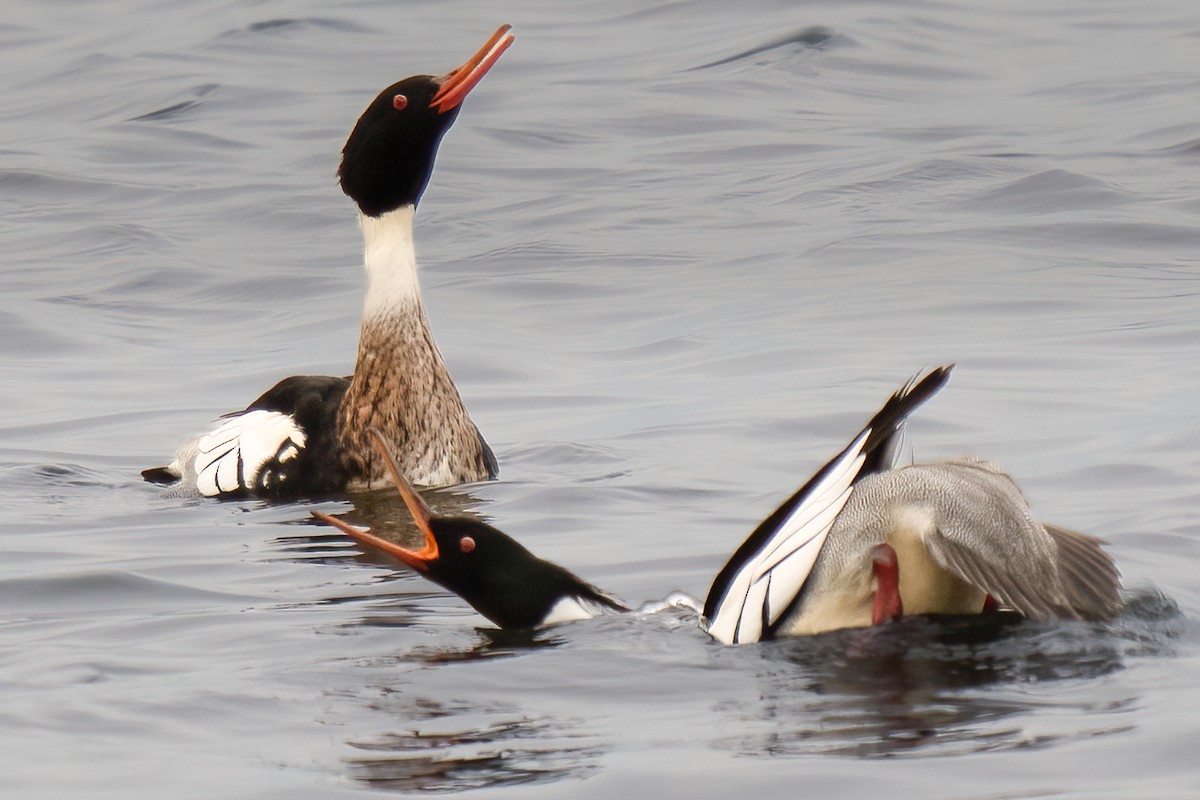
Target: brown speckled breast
{"points": [[402, 388]]}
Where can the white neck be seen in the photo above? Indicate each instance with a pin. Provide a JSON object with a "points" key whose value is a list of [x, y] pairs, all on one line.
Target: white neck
{"points": [[391, 262]]}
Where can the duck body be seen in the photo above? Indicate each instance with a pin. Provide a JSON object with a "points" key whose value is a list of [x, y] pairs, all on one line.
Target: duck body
{"points": [[865, 541], [310, 435], [961, 533], [861, 542]]}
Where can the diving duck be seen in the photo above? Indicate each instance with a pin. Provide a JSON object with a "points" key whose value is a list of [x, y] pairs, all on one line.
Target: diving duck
{"points": [[861, 542]]}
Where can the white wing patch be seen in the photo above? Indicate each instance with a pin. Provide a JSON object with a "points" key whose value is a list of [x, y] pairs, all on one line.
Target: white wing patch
{"points": [[756, 588], [229, 458], [765, 585]]}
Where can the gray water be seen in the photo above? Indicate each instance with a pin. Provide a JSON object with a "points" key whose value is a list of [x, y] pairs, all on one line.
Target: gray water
{"points": [[675, 254]]}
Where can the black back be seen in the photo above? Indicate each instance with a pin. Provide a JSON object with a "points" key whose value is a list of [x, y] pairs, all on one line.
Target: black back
{"points": [[312, 401]]}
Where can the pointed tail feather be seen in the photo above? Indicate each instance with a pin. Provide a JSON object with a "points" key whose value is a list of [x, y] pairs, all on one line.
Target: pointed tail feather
{"points": [[1089, 574], [762, 579]]}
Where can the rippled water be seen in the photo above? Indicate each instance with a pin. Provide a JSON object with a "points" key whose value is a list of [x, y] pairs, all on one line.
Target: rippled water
{"points": [[675, 254]]}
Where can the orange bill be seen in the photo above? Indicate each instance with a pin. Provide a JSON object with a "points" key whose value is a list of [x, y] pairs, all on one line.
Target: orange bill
{"points": [[417, 507], [417, 559], [416, 504], [458, 82]]}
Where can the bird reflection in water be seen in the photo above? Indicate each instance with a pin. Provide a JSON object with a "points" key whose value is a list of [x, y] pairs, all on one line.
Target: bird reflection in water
{"points": [[491, 643], [940, 686], [382, 508], [407, 605], [457, 745], [454, 747]]}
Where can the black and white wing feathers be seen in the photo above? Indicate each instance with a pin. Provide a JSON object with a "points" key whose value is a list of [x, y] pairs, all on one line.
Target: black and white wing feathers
{"points": [[231, 457], [282, 445], [754, 590]]}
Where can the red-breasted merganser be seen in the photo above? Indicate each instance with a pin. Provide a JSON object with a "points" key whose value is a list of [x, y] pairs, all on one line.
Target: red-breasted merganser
{"points": [[860, 543], [865, 541], [489, 569], [308, 435]]}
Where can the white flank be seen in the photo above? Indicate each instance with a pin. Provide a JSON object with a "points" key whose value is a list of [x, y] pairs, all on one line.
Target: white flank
{"points": [[391, 262], [569, 609], [229, 457]]}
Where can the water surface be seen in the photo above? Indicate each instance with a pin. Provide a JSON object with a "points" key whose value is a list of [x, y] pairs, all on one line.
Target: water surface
{"points": [[675, 254]]}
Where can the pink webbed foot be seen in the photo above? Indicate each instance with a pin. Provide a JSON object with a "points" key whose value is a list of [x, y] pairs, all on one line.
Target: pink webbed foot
{"points": [[886, 568]]}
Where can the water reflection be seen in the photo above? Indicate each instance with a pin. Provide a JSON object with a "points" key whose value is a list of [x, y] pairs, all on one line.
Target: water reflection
{"points": [[949, 686], [817, 36], [490, 643], [382, 511], [385, 508], [453, 747], [446, 732], [921, 687], [493, 643]]}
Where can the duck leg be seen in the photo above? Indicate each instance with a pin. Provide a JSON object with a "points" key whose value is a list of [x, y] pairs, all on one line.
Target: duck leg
{"points": [[886, 568]]}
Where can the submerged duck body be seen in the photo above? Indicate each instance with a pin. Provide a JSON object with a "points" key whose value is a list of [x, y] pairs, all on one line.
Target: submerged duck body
{"points": [[309, 435], [862, 542], [948, 538], [865, 541]]}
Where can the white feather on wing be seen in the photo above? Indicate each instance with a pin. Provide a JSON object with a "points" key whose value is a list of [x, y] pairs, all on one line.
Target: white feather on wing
{"points": [[767, 582], [230, 456]]}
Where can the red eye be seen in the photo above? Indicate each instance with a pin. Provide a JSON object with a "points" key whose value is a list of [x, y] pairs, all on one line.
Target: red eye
{"points": [[399, 102], [466, 544]]}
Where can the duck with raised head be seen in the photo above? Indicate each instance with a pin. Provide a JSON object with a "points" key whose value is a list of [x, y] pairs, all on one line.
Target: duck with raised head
{"points": [[309, 435], [862, 542]]}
